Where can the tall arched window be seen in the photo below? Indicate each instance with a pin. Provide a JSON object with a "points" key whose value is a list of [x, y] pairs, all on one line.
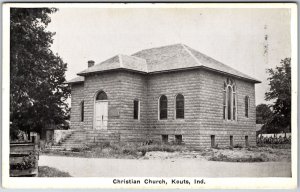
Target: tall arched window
{"points": [[82, 111], [247, 103], [179, 106], [101, 96], [229, 93], [229, 100], [163, 107]]}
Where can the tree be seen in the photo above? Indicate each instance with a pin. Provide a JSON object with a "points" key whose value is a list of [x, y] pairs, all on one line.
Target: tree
{"points": [[263, 113], [280, 91], [37, 75]]}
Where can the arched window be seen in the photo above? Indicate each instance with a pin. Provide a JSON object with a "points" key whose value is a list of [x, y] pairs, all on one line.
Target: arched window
{"points": [[229, 93], [247, 103], [82, 111], [229, 100], [101, 96], [179, 106], [163, 107]]}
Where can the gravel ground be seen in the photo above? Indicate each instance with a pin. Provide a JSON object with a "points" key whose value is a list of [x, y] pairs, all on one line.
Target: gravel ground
{"points": [[164, 167]]}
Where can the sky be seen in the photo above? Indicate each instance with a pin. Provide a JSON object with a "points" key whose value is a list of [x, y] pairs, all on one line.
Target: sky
{"points": [[249, 40]]}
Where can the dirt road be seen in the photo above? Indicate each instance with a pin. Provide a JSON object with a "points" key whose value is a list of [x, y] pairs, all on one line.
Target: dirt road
{"points": [[101, 167]]}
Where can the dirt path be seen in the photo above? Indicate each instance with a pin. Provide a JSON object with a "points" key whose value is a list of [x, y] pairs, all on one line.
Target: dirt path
{"points": [[98, 167]]}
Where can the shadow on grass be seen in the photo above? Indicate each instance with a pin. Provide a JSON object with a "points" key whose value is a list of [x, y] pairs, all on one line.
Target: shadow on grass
{"points": [[45, 171]]}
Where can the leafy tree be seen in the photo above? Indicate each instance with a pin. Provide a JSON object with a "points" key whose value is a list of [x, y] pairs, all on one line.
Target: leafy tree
{"points": [[280, 91], [37, 75], [263, 113]]}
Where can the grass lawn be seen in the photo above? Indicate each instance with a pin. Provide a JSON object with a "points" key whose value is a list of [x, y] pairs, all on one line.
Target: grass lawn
{"points": [[171, 151], [45, 171], [119, 151]]}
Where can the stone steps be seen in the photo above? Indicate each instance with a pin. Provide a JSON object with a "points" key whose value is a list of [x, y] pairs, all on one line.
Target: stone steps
{"points": [[81, 138]]}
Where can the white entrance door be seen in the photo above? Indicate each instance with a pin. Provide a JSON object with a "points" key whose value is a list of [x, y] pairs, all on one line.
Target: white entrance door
{"points": [[101, 115]]}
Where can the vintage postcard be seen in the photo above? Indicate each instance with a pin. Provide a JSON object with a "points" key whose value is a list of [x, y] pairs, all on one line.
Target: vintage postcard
{"points": [[150, 96]]}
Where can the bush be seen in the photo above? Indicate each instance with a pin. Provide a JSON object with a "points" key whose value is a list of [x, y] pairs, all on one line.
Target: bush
{"points": [[79, 149], [239, 146], [222, 157], [28, 162], [273, 140]]}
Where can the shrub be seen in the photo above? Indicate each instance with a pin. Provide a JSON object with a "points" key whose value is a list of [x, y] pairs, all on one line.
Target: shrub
{"points": [[79, 149], [28, 162], [222, 157], [238, 146], [273, 140]]}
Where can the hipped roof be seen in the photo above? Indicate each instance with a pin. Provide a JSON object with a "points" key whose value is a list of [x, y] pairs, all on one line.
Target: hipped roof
{"points": [[163, 59]]}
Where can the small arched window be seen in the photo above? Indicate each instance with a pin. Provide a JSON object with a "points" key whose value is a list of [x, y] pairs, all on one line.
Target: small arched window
{"points": [[179, 106], [101, 96], [82, 111], [247, 103], [163, 107], [229, 100]]}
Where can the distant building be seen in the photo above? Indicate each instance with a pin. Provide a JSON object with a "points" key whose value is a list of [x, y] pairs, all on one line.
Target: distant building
{"points": [[170, 94]]}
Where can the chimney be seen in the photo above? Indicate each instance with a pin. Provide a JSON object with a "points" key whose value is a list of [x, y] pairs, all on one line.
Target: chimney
{"points": [[91, 63]]}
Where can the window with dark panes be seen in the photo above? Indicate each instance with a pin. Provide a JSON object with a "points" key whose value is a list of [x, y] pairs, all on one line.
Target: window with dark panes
{"points": [[82, 110], [246, 106], [164, 138], [224, 101], [246, 141], [179, 106], [231, 140], [229, 102], [136, 109], [178, 139], [212, 140], [163, 107], [234, 104], [101, 96]]}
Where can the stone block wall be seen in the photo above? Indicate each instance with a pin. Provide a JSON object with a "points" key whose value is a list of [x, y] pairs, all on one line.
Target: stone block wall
{"points": [[211, 111], [121, 89], [186, 83], [77, 92], [203, 111]]}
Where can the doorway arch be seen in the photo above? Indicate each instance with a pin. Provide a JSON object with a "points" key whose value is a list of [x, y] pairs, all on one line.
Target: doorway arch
{"points": [[100, 110]]}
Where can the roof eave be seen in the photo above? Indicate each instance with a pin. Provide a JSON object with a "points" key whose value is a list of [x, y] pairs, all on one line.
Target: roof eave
{"points": [[237, 76], [165, 71], [108, 70], [73, 82], [207, 68]]}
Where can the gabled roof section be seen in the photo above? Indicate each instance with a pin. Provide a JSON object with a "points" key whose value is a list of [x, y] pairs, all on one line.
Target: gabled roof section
{"points": [[78, 79], [163, 59], [118, 62]]}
